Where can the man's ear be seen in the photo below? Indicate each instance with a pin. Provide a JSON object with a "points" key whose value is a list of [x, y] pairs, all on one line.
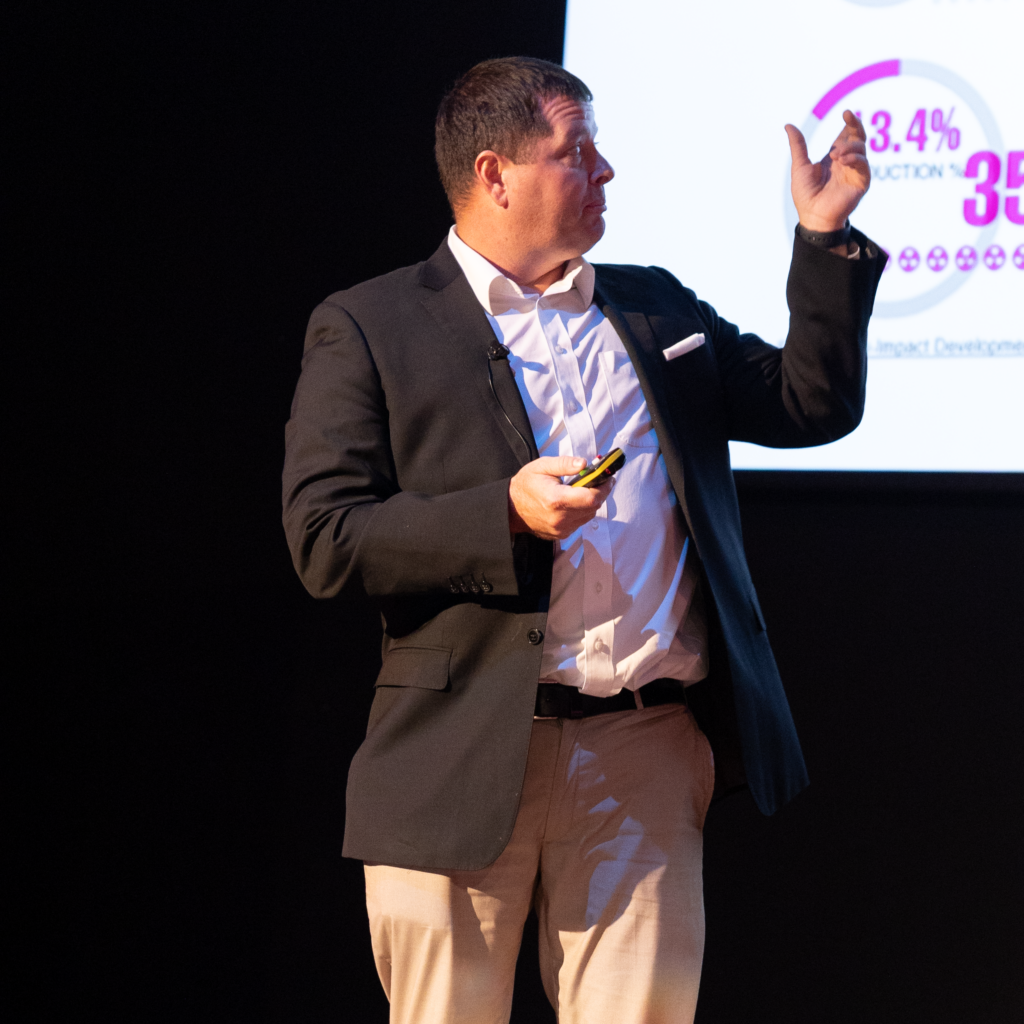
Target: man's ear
{"points": [[490, 169]]}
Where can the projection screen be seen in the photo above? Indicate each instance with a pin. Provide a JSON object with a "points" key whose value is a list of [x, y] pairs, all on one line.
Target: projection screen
{"points": [[690, 101]]}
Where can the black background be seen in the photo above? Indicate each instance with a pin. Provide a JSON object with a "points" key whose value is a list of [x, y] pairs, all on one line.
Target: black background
{"points": [[187, 181]]}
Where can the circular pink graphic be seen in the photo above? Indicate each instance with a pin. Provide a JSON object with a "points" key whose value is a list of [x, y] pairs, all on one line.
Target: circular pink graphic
{"points": [[994, 257], [910, 259], [886, 135], [1018, 257], [966, 258]]}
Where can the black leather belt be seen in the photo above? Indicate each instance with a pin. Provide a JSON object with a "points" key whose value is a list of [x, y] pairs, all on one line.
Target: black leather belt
{"points": [[557, 701]]}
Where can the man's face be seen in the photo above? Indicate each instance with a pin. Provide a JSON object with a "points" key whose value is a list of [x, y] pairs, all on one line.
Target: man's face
{"points": [[557, 197]]}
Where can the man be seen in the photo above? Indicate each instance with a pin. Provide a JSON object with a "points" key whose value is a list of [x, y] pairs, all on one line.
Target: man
{"points": [[548, 650]]}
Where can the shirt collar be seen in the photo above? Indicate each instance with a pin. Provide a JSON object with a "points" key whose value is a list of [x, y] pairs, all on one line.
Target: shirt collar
{"points": [[574, 291]]}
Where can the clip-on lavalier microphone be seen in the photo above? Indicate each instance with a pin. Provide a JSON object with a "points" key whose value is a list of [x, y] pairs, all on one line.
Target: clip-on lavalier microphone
{"points": [[498, 351]]}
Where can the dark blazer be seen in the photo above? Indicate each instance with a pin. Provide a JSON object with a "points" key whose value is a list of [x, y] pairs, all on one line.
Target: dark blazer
{"points": [[402, 439]]}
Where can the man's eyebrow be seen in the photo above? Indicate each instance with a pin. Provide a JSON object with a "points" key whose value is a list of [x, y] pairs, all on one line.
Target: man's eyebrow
{"points": [[582, 132]]}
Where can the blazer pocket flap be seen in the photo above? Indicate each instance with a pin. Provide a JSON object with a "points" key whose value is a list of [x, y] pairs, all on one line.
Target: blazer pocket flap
{"points": [[680, 348], [426, 667]]}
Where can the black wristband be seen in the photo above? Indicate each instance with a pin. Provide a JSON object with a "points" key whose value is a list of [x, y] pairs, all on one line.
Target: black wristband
{"points": [[825, 239]]}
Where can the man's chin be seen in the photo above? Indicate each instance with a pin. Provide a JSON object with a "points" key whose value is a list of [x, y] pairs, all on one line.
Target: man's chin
{"points": [[593, 234], [581, 238]]}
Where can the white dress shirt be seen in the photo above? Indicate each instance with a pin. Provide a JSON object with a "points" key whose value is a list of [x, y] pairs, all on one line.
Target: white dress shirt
{"points": [[622, 610]]}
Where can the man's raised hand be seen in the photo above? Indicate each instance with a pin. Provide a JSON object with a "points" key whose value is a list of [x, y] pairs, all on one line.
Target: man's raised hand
{"points": [[539, 503], [826, 193]]}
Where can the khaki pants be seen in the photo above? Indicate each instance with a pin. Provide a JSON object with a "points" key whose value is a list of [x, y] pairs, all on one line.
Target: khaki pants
{"points": [[606, 848]]}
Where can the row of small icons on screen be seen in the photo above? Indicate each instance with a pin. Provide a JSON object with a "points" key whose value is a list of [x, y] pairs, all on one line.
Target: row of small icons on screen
{"points": [[966, 258]]}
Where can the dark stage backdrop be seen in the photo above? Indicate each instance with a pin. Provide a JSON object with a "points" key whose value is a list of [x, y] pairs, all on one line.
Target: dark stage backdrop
{"points": [[186, 182]]}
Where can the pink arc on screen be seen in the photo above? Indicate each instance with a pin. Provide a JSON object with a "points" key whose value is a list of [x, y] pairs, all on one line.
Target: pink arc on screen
{"points": [[884, 69]]}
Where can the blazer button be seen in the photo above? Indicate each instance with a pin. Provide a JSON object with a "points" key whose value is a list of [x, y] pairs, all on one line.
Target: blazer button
{"points": [[535, 636]]}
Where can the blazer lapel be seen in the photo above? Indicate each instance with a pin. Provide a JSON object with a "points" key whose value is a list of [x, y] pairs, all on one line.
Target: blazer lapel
{"points": [[634, 330], [448, 298]]}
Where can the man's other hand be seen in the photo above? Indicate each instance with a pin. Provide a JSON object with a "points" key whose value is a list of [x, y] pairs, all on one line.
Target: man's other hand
{"points": [[826, 193], [539, 503]]}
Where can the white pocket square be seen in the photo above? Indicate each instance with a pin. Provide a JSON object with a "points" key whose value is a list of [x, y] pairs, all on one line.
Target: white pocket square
{"points": [[680, 348]]}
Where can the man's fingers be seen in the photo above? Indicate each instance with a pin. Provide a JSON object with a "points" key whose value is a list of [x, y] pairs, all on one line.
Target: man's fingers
{"points": [[844, 152], [540, 503], [797, 146], [582, 497], [559, 465], [854, 126], [851, 156], [851, 159], [847, 144], [572, 518], [826, 193]]}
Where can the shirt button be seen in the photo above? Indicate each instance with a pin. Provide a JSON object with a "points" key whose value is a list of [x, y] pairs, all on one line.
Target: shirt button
{"points": [[535, 636], [598, 587], [571, 405], [599, 646], [560, 350], [595, 525]]}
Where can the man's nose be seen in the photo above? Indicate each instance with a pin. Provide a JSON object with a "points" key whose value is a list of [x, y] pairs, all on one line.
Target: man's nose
{"points": [[603, 171]]}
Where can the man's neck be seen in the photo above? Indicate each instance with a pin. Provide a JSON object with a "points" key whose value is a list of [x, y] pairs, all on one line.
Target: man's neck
{"points": [[532, 269]]}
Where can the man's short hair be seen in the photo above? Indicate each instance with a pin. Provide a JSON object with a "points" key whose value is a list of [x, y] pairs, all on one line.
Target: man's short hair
{"points": [[496, 105]]}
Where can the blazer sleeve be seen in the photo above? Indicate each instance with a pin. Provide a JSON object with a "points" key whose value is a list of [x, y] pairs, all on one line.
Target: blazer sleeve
{"points": [[349, 525], [810, 391]]}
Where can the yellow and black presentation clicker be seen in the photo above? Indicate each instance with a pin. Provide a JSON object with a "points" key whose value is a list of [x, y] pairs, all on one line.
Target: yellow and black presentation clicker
{"points": [[605, 469]]}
